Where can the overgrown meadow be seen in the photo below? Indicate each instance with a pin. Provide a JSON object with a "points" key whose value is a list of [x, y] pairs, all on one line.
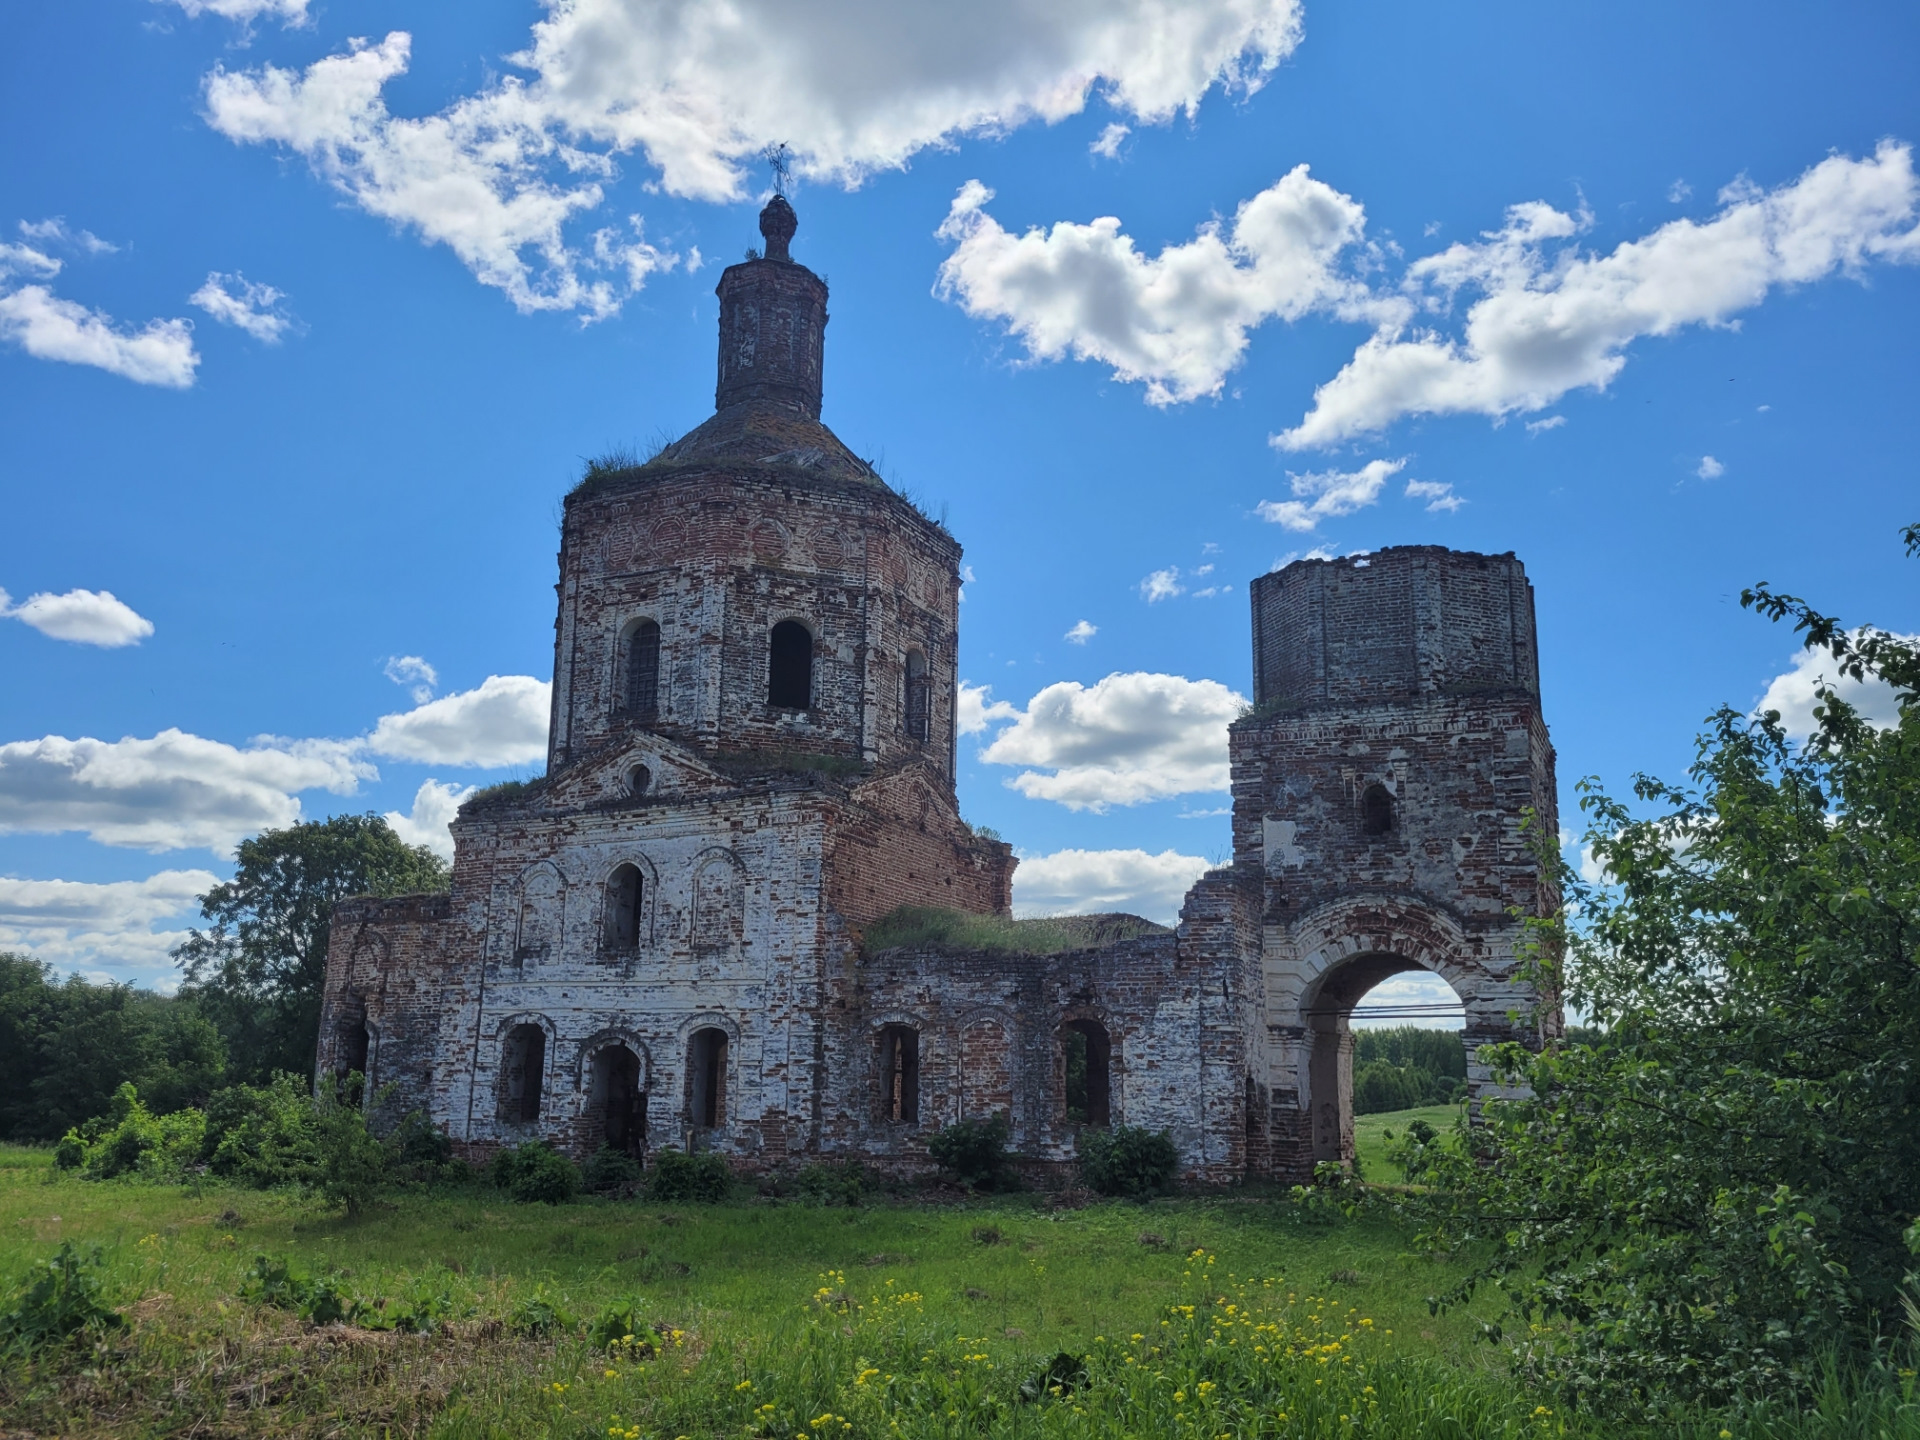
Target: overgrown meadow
{"points": [[461, 1313]]}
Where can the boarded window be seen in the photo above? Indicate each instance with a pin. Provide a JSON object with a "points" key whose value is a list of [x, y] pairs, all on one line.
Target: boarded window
{"points": [[625, 890], [643, 671], [1089, 1084], [900, 1073], [1376, 810], [523, 1068], [919, 697], [790, 667], [719, 902], [707, 1079]]}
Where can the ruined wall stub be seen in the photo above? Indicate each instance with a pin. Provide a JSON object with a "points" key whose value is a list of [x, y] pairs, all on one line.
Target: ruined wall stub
{"points": [[1379, 793]]}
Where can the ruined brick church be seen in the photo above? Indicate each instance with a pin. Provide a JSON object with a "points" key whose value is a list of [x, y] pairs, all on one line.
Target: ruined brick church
{"points": [[751, 760]]}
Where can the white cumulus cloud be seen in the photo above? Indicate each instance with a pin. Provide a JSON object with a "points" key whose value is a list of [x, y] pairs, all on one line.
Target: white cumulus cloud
{"points": [[1438, 494], [503, 722], [54, 231], [1179, 320], [1550, 318], [1081, 633], [1127, 739], [104, 931], [414, 674], [1162, 585], [49, 328], [700, 90], [434, 806], [1107, 146], [1792, 692], [86, 617], [169, 792], [1325, 494], [1709, 468], [290, 13], [260, 310], [1092, 882], [977, 710]]}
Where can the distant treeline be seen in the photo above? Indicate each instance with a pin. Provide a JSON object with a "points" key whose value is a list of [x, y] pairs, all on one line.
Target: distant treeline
{"points": [[67, 1045], [1403, 1066]]}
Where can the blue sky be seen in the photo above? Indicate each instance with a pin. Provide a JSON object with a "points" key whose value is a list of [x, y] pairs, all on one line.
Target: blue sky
{"points": [[310, 311]]}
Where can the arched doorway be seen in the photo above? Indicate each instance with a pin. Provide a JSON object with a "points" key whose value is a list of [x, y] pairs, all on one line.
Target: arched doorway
{"points": [[1366, 993], [617, 1100]]}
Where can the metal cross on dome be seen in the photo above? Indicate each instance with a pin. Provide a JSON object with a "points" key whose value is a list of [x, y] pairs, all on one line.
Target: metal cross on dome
{"points": [[779, 159]]}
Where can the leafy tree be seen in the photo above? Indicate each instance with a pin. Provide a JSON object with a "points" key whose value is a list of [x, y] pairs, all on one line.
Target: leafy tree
{"points": [[1714, 1196], [67, 1046], [258, 971]]}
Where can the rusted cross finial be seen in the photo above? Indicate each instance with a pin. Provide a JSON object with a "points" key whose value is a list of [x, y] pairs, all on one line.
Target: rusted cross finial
{"points": [[779, 159]]}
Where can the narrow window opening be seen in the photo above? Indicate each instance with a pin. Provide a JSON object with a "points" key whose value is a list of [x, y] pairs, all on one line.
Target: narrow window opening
{"points": [[523, 1065], [624, 891], [790, 667], [351, 1045], [1376, 810], [707, 1079], [919, 697], [1088, 1056], [643, 671], [900, 1073]]}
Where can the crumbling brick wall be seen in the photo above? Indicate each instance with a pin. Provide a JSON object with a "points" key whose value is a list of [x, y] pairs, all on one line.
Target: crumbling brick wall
{"points": [[1402, 685]]}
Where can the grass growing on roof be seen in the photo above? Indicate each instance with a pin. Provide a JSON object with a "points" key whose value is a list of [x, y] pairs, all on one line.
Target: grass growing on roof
{"points": [[921, 927]]}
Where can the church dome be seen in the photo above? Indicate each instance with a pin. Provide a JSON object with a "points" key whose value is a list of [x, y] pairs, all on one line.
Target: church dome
{"points": [[773, 320]]}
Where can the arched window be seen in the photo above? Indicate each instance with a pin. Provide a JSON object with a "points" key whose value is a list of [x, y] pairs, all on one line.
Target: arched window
{"points": [[643, 671], [790, 667], [542, 894], [624, 893], [1089, 1084], [719, 907], [1376, 810], [639, 777], [707, 1078], [900, 1073], [919, 697], [523, 1068]]}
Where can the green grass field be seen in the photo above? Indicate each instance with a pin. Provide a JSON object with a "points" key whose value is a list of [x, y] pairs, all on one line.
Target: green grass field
{"points": [[1370, 1136], [1238, 1316]]}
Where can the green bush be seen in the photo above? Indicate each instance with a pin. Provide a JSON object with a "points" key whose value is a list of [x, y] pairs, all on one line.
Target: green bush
{"points": [[354, 1163], [317, 1299], [1128, 1161], [974, 1152], [828, 1182], [680, 1176], [129, 1140], [59, 1298], [619, 1326], [540, 1315], [536, 1173], [263, 1136], [608, 1170]]}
